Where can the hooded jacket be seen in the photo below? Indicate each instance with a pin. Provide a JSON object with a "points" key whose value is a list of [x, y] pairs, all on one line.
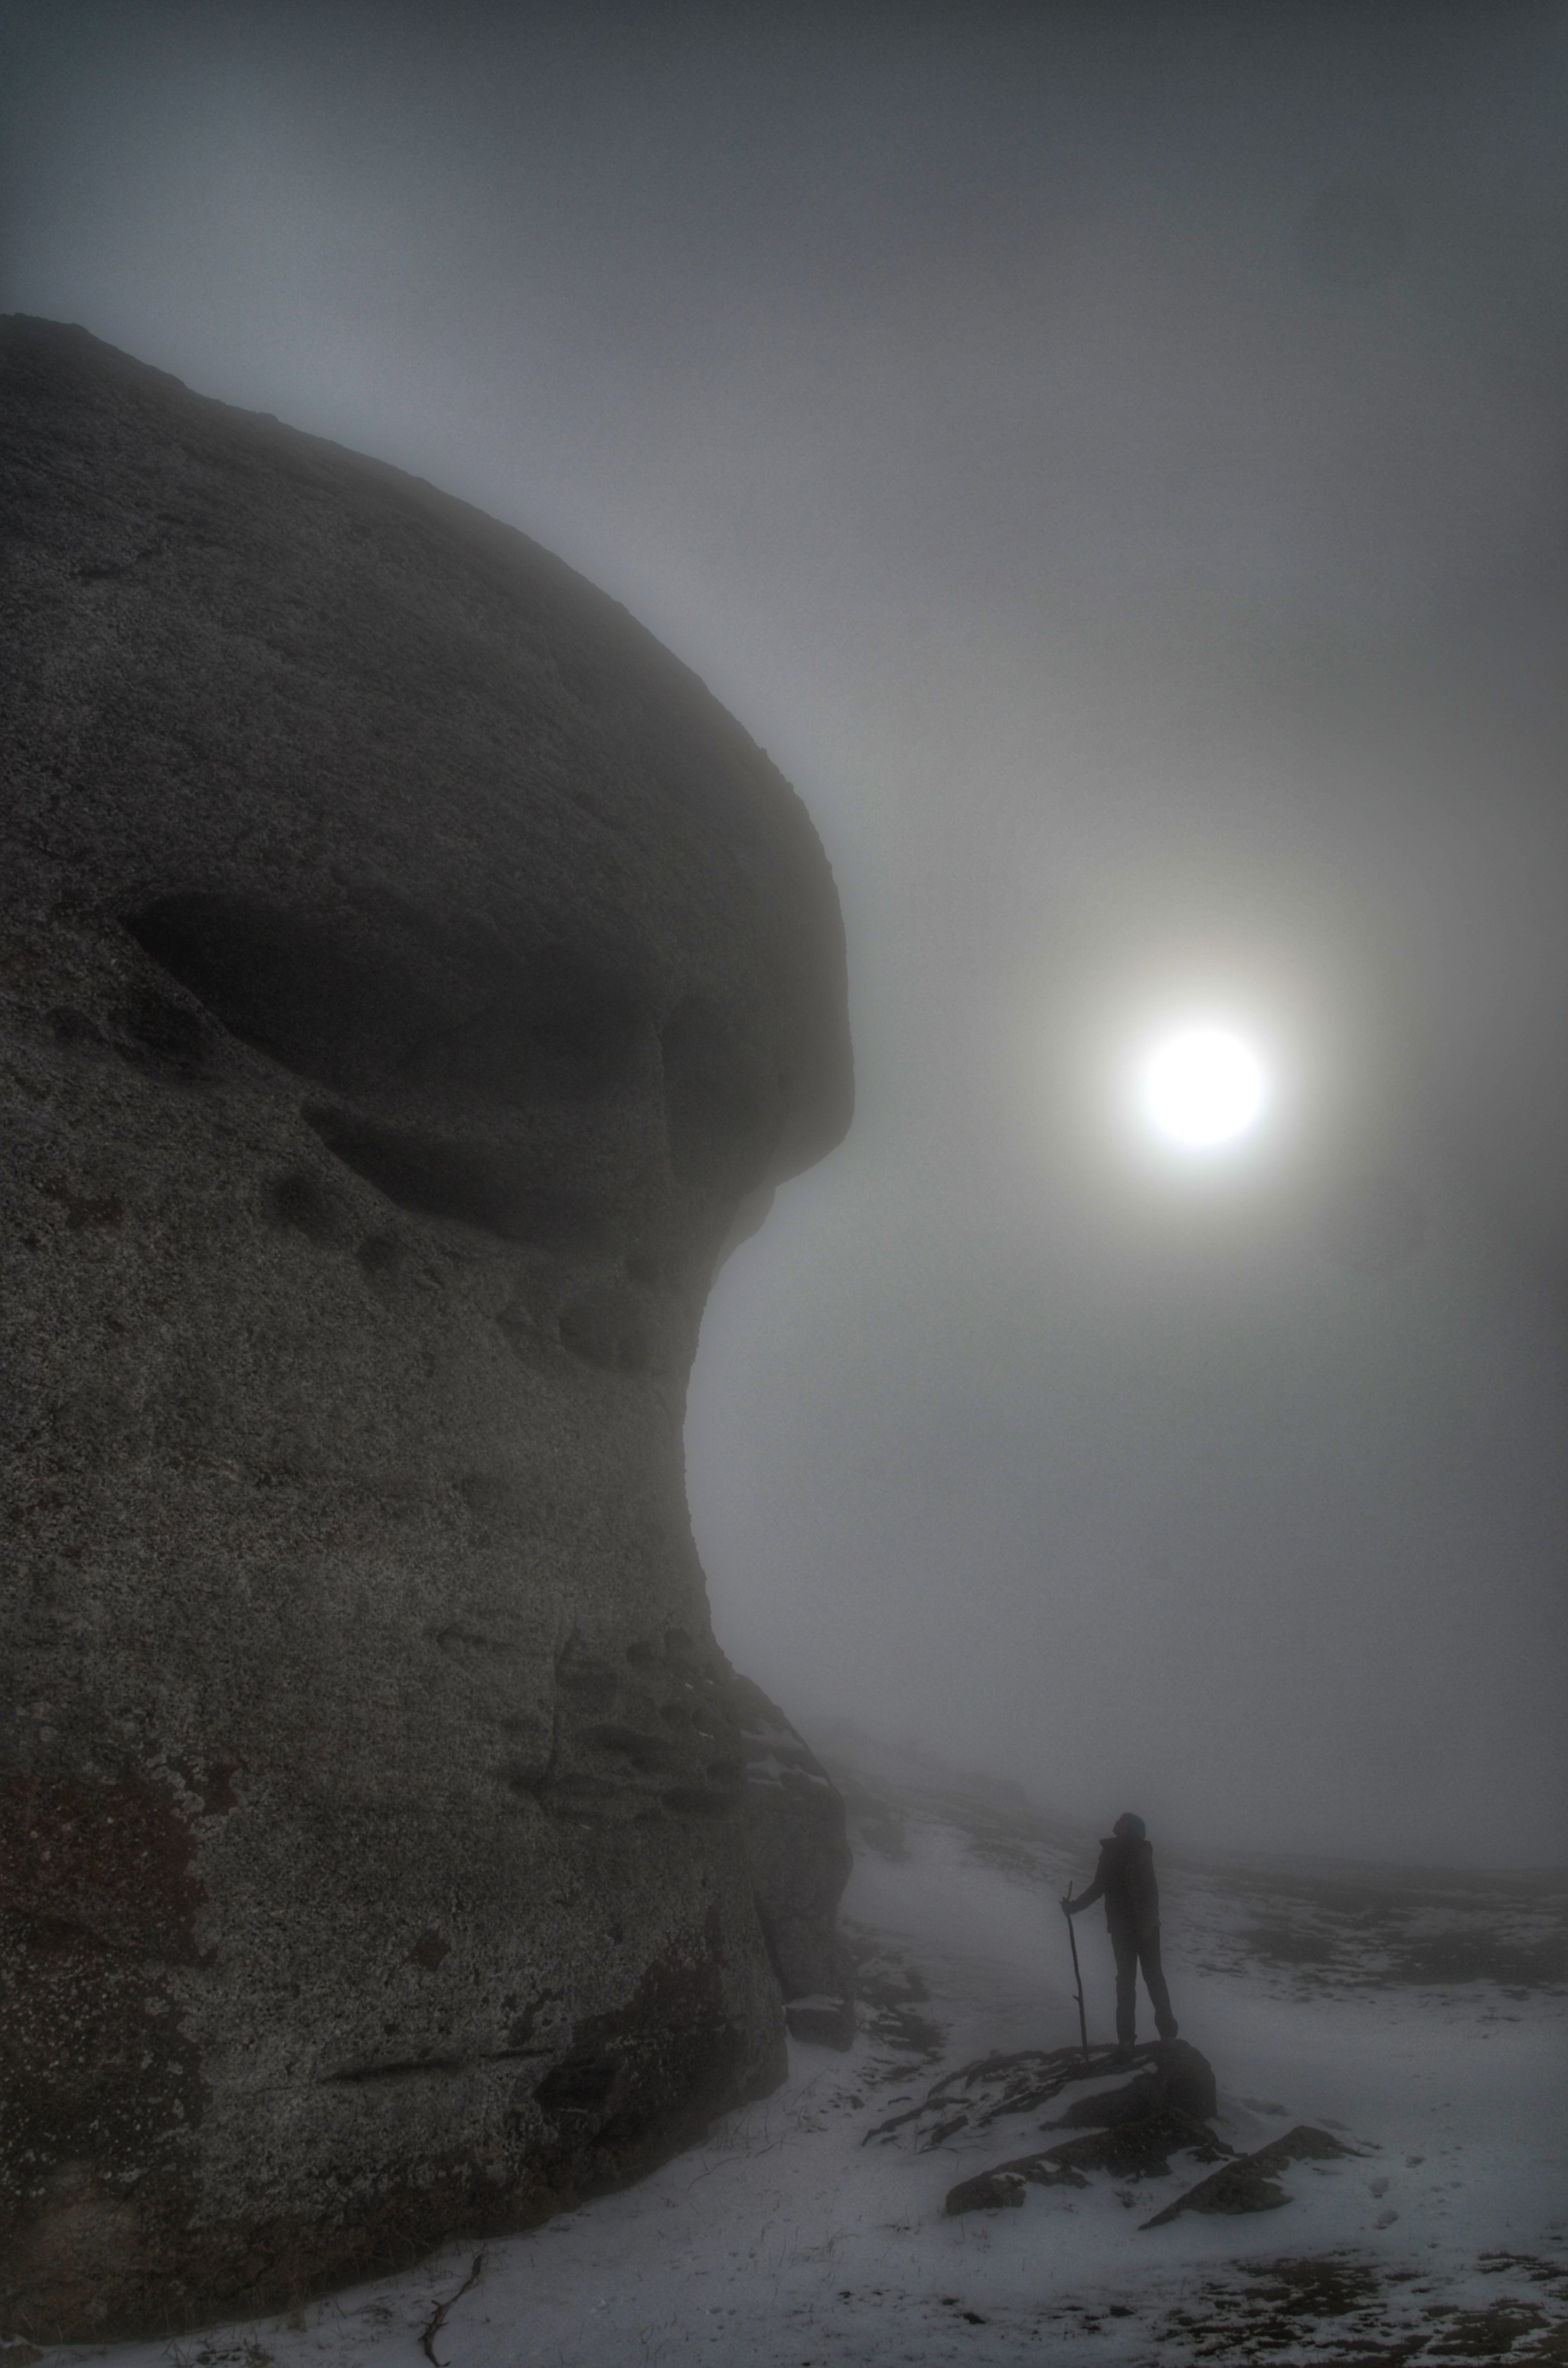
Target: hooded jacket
{"points": [[1125, 1880]]}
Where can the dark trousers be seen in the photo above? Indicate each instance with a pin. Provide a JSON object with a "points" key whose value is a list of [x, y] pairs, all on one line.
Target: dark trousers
{"points": [[1131, 1953]]}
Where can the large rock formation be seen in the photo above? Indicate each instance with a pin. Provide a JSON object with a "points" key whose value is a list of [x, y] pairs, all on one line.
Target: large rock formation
{"points": [[409, 973]]}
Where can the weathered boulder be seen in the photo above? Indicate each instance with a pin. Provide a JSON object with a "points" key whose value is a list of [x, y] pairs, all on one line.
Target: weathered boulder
{"points": [[1250, 2182], [1179, 2076], [800, 1862], [1139, 2148], [408, 973], [1178, 2079]]}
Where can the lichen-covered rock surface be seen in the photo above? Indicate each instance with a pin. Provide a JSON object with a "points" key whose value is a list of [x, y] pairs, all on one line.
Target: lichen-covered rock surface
{"points": [[408, 973]]}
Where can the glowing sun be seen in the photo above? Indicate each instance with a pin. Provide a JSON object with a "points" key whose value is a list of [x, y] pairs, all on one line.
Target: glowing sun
{"points": [[1201, 1087]]}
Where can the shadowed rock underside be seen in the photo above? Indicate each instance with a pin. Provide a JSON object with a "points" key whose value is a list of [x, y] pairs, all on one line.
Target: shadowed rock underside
{"points": [[800, 1862]]}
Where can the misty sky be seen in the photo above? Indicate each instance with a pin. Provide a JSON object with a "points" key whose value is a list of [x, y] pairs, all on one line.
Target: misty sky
{"points": [[1116, 459]]}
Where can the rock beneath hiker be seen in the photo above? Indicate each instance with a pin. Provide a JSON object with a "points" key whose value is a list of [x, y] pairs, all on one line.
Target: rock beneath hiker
{"points": [[1186, 2080], [1109, 2108], [800, 1862], [412, 979], [1250, 2181], [1002, 2087]]}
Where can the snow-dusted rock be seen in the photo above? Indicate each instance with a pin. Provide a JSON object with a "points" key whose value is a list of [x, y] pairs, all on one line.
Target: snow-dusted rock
{"points": [[800, 1862], [409, 971], [1136, 2149], [1250, 2181], [1179, 2076], [1173, 2076]]}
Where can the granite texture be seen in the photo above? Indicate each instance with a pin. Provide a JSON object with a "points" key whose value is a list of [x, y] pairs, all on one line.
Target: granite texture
{"points": [[800, 1862], [410, 977]]}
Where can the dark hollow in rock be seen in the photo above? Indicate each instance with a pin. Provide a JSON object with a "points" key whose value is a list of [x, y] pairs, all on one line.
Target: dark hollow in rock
{"points": [[822, 2021], [800, 1862], [482, 1186], [429, 977], [327, 998]]}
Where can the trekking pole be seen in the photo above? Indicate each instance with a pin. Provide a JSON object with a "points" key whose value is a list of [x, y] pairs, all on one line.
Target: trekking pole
{"points": [[1077, 1976]]}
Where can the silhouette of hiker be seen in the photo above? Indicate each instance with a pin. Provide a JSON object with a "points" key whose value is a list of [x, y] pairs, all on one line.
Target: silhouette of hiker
{"points": [[1124, 1879]]}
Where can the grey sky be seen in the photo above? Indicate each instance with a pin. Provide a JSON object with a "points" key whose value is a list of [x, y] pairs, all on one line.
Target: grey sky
{"points": [[1116, 461]]}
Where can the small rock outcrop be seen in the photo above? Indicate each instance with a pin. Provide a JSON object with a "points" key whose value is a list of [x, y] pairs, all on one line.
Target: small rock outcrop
{"points": [[1180, 2079], [1250, 2182], [1175, 2080], [410, 979], [1139, 2148], [1131, 2130], [800, 1862]]}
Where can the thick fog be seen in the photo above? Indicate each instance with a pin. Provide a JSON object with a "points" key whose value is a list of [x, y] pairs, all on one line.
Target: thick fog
{"points": [[1117, 461]]}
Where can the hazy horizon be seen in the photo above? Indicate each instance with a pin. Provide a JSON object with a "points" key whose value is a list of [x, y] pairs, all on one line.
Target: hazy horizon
{"points": [[1117, 463]]}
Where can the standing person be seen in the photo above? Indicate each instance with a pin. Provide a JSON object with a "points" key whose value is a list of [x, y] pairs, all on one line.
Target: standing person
{"points": [[1124, 1879]]}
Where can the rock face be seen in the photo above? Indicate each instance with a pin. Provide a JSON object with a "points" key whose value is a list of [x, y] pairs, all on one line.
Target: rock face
{"points": [[800, 1862], [408, 973]]}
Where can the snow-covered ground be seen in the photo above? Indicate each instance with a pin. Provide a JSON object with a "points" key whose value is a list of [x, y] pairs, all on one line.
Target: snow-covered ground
{"points": [[1421, 2018]]}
